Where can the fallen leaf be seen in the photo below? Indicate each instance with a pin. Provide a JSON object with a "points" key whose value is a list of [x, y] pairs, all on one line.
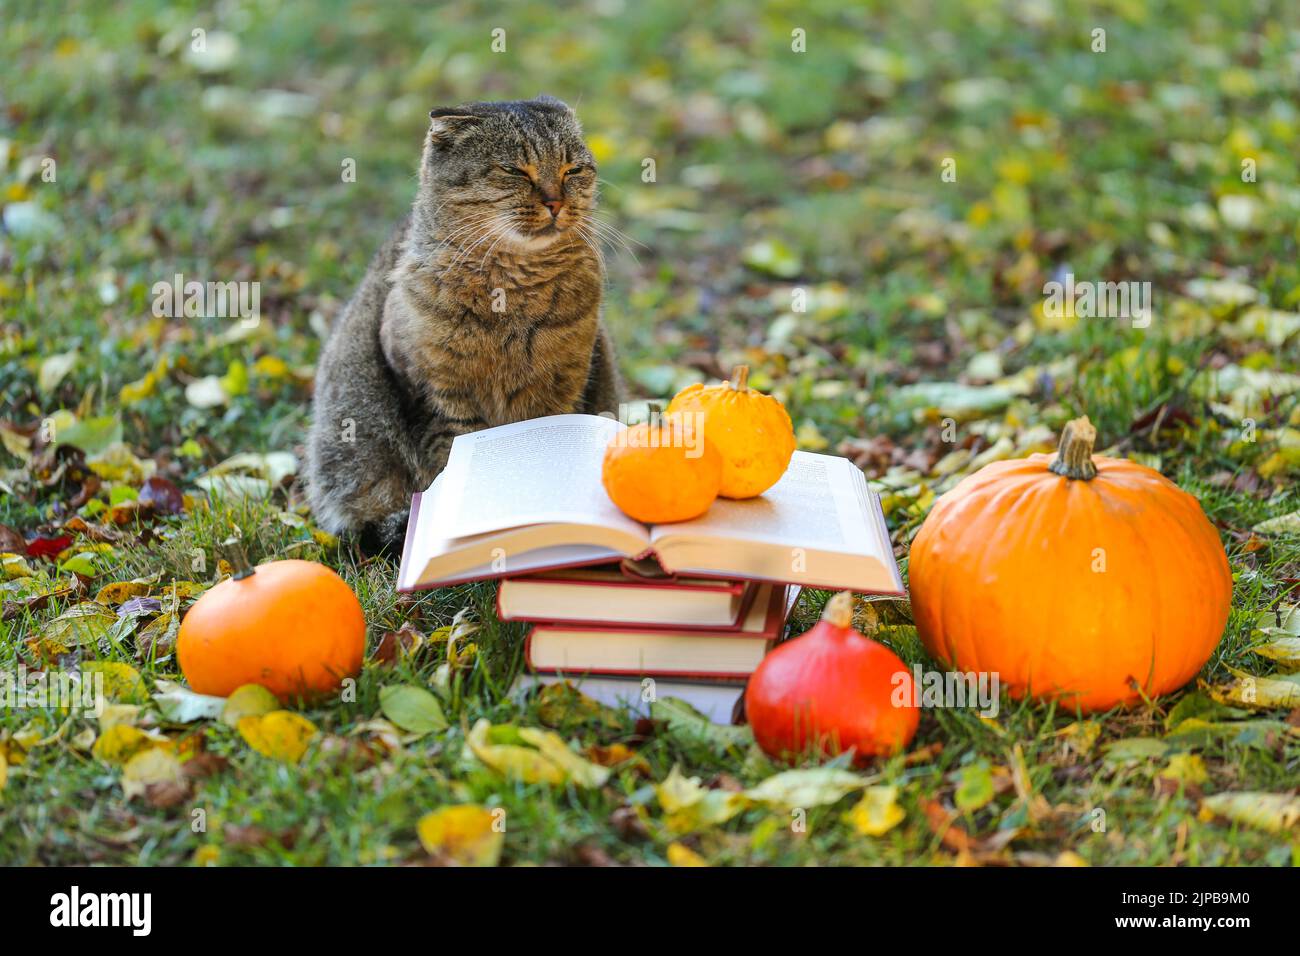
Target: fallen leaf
{"points": [[182, 706], [1250, 690], [162, 495], [1186, 769], [156, 765], [578, 769], [1282, 524], [511, 760], [685, 721], [1271, 812], [689, 806], [121, 681], [562, 701], [121, 591], [812, 787], [1135, 750], [54, 369], [464, 835], [974, 786], [249, 700], [158, 637], [681, 855], [82, 625], [281, 735], [877, 812], [413, 709], [1284, 650], [120, 742]]}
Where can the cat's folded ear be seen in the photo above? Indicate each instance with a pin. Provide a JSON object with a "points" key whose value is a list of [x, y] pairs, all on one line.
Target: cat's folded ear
{"points": [[446, 126]]}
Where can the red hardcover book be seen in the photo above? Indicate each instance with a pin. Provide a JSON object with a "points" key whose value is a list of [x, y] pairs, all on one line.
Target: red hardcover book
{"points": [[620, 596], [630, 651]]}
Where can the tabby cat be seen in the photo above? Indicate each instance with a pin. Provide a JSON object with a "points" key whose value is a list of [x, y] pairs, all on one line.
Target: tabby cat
{"points": [[483, 308]]}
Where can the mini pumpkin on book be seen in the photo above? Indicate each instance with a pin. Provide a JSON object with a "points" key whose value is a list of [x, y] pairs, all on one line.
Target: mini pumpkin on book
{"points": [[692, 601]]}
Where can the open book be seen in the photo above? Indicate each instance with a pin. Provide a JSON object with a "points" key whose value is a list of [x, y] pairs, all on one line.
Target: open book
{"points": [[528, 497]]}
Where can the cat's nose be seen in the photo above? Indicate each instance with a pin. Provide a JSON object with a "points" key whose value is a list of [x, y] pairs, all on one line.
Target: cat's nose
{"points": [[554, 205]]}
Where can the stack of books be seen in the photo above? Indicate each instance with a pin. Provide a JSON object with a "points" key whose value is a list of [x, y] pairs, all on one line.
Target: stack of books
{"points": [[609, 629], [691, 606]]}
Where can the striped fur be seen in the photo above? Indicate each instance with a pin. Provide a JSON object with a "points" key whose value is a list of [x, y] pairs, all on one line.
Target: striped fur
{"points": [[481, 309]]}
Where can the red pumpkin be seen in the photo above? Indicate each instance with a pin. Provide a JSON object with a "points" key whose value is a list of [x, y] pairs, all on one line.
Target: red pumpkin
{"points": [[1090, 580], [295, 627], [831, 689]]}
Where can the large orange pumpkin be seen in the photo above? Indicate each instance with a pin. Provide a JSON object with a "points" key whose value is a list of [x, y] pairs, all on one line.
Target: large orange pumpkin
{"points": [[751, 431], [295, 627], [1086, 579], [662, 473]]}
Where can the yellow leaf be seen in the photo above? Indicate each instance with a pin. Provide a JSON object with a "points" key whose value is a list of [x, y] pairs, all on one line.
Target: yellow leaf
{"points": [[250, 700], [121, 681], [281, 735], [515, 762], [121, 591], [4, 771], [689, 806], [13, 565], [155, 765], [1272, 812], [681, 855], [114, 714], [1262, 692], [1080, 736], [877, 812], [271, 366], [120, 742], [1284, 650], [582, 772], [465, 835], [1185, 768], [206, 855]]}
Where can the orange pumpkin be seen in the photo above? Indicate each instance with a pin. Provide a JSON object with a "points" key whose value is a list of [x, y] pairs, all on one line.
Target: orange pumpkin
{"points": [[752, 431], [295, 627], [661, 473], [1094, 581]]}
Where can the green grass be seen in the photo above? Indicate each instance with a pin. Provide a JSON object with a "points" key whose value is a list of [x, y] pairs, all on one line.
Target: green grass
{"points": [[1115, 165]]}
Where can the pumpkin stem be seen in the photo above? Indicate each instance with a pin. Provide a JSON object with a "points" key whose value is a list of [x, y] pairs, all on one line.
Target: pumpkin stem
{"points": [[740, 378], [1074, 455], [839, 610]]}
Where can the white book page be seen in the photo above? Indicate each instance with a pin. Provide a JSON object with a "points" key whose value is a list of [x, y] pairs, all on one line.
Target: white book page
{"points": [[815, 505], [546, 470]]}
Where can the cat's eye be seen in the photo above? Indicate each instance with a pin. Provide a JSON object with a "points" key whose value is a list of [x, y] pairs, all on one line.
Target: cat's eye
{"points": [[574, 170], [514, 170]]}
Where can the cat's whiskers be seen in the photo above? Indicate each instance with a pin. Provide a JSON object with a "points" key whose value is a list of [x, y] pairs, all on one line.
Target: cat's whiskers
{"points": [[474, 230], [607, 232], [468, 226], [581, 230], [500, 221]]}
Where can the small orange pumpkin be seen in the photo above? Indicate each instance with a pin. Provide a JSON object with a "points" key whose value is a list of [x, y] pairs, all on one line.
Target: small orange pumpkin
{"points": [[752, 431], [661, 473], [1089, 580], [295, 627]]}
